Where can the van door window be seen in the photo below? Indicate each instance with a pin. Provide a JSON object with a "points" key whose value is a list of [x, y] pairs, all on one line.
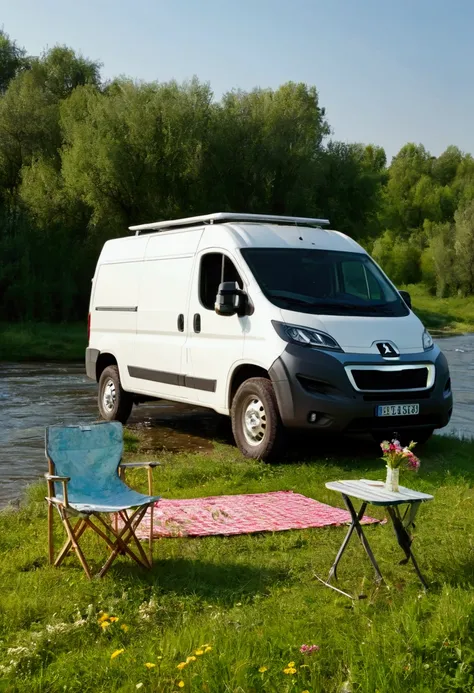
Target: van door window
{"points": [[358, 282], [215, 268]]}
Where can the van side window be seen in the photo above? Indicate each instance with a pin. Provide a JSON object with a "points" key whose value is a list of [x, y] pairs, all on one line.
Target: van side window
{"points": [[215, 268]]}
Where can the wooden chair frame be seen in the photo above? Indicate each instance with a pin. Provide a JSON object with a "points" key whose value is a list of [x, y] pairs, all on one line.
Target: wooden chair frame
{"points": [[117, 535]]}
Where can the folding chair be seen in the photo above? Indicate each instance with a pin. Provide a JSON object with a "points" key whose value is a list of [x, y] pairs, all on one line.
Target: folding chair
{"points": [[86, 481]]}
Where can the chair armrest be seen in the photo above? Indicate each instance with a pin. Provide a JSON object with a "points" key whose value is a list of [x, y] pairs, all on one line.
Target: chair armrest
{"points": [[50, 478], [149, 466]]}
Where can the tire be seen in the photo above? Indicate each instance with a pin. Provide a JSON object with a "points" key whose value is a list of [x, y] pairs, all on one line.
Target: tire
{"points": [[114, 403], [420, 436], [262, 437]]}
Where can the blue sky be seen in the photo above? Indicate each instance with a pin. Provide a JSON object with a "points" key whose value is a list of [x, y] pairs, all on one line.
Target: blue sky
{"points": [[387, 71]]}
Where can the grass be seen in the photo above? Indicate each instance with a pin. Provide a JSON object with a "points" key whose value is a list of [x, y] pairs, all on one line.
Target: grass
{"points": [[42, 342], [253, 599], [454, 314]]}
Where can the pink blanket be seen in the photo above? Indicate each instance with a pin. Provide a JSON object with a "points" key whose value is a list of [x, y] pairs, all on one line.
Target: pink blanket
{"points": [[241, 514]]}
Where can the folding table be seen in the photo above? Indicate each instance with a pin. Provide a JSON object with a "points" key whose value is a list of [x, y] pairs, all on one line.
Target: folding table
{"points": [[374, 493]]}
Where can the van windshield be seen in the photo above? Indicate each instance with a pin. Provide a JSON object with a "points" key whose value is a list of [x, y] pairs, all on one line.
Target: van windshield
{"points": [[324, 282]]}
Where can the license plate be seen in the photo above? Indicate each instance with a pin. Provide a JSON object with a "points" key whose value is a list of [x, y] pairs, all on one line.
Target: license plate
{"points": [[398, 410]]}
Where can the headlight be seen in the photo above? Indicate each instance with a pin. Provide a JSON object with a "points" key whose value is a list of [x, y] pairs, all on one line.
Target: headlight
{"points": [[427, 340], [306, 336]]}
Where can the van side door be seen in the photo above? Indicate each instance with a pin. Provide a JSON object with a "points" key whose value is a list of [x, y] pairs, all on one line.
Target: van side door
{"points": [[157, 368], [215, 343]]}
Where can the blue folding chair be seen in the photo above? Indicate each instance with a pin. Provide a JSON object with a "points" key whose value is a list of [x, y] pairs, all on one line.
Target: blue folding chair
{"points": [[86, 481]]}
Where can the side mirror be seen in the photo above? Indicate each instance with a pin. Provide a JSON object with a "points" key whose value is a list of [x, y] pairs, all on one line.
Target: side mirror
{"points": [[406, 297], [229, 299]]}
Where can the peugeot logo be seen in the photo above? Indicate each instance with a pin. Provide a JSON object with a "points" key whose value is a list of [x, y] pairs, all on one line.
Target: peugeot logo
{"points": [[388, 350]]}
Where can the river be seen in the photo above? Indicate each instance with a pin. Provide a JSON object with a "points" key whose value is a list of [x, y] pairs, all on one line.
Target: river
{"points": [[33, 396]]}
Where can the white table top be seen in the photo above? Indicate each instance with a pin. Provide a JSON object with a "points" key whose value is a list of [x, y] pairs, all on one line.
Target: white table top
{"points": [[374, 492]]}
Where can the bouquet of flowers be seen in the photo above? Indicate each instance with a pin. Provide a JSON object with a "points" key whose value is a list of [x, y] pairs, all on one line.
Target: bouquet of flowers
{"points": [[395, 456]]}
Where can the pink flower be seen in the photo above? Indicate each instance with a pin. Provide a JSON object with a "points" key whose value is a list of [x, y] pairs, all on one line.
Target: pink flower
{"points": [[309, 649]]}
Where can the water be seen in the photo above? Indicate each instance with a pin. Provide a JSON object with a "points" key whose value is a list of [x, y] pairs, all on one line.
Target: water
{"points": [[33, 396]]}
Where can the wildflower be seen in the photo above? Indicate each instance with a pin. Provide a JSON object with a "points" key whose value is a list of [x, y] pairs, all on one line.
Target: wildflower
{"points": [[305, 691], [309, 649], [105, 624], [117, 653], [190, 659], [208, 649], [291, 664], [181, 665], [150, 665], [199, 652], [181, 684], [289, 670], [139, 685], [113, 619], [124, 627], [262, 670], [103, 617]]}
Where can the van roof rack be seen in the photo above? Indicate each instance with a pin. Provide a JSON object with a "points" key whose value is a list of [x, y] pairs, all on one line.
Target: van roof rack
{"points": [[222, 217]]}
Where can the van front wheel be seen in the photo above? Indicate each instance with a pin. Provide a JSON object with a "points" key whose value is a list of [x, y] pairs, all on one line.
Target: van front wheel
{"points": [[256, 423], [114, 403]]}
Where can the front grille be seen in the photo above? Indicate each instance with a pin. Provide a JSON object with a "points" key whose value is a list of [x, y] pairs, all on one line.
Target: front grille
{"points": [[386, 379]]}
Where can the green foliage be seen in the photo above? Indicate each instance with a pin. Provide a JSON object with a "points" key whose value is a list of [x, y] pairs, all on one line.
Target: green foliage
{"points": [[12, 60]]}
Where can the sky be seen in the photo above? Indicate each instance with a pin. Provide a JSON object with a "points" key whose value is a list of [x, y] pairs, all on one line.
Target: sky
{"points": [[387, 71]]}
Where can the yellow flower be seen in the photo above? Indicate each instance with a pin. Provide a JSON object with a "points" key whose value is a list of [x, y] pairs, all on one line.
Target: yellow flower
{"points": [[139, 685], [304, 691], [208, 649], [190, 659], [113, 619], [199, 652], [104, 625], [181, 684], [104, 617], [181, 665], [291, 664], [262, 670], [124, 627], [117, 653], [289, 670], [150, 665]]}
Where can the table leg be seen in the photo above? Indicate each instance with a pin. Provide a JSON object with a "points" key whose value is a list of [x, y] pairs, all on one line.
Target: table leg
{"points": [[333, 571], [361, 535], [404, 541]]}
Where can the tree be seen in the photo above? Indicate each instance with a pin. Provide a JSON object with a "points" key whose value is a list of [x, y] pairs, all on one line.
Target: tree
{"points": [[12, 60], [464, 247]]}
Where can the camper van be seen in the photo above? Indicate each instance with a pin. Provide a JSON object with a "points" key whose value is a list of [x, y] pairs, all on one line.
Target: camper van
{"points": [[278, 322]]}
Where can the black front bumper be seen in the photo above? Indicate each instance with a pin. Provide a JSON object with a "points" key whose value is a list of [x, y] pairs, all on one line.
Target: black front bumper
{"points": [[314, 382]]}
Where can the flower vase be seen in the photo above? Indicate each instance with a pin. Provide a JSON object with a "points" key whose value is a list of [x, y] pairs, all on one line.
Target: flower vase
{"points": [[392, 479]]}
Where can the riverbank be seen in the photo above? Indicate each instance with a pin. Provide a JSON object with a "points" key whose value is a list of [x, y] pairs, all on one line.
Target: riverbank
{"points": [[445, 315], [42, 341], [241, 607]]}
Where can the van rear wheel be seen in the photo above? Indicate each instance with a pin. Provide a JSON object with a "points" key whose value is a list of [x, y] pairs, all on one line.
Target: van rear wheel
{"points": [[114, 403], [256, 423]]}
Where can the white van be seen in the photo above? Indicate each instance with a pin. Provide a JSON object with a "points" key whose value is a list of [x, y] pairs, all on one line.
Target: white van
{"points": [[274, 321]]}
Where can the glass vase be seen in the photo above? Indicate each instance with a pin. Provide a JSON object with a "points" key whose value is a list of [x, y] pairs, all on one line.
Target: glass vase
{"points": [[392, 479]]}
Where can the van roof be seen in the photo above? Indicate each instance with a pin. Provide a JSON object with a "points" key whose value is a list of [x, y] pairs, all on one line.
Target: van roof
{"points": [[223, 217]]}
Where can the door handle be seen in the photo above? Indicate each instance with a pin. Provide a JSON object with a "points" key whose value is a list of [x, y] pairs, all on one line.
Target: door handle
{"points": [[180, 322], [197, 322]]}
